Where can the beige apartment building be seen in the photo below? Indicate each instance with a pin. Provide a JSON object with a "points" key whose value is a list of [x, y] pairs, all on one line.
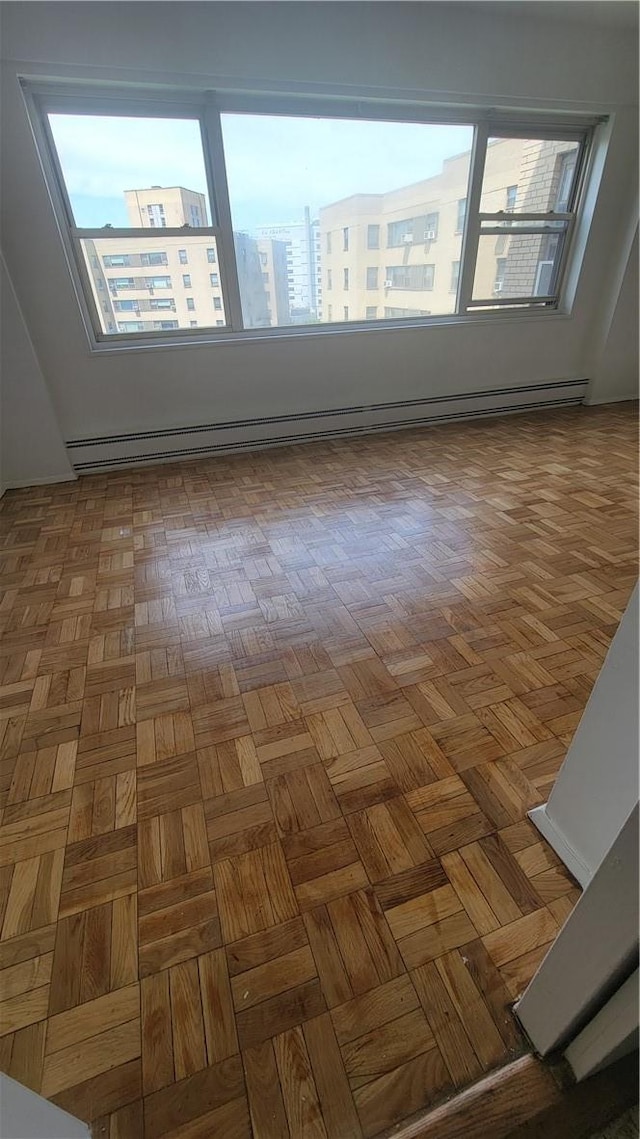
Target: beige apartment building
{"points": [[395, 255], [160, 285]]}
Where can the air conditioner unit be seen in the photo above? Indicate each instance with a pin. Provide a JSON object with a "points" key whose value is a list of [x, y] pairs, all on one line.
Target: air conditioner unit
{"points": [[498, 287], [388, 284], [408, 238], [429, 234]]}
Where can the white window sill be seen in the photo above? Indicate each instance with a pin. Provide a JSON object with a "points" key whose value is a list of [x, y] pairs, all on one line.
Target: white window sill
{"points": [[205, 338]]}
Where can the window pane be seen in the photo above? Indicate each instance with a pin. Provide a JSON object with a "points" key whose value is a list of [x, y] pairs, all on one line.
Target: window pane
{"points": [[323, 197], [123, 282], [132, 172], [528, 175], [523, 265]]}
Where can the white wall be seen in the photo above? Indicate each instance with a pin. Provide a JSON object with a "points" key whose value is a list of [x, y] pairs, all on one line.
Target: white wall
{"points": [[614, 374], [491, 54], [31, 447]]}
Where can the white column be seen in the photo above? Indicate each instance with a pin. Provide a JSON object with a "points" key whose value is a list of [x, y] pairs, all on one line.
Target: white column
{"points": [[611, 1034], [596, 950], [25, 1115], [597, 787]]}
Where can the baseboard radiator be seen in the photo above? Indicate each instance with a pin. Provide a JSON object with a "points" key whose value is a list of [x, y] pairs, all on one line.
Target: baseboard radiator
{"points": [[162, 445]]}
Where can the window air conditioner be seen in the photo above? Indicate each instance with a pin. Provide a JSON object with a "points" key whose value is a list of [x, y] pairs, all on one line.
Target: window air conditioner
{"points": [[498, 287], [388, 284], [429, 234], [408, 238]]}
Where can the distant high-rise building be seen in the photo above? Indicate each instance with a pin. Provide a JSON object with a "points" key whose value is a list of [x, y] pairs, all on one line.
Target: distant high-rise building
{"points": [[273, 263], [304, 286]]}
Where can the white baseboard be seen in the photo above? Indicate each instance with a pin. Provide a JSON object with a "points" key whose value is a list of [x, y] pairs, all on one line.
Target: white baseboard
{"points": [[542, 821], [224, 437], [44, 480], [611, 399]]}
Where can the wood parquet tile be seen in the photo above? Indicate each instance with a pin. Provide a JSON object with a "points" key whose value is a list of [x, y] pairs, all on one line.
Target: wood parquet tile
{"points": [[270, 726]]}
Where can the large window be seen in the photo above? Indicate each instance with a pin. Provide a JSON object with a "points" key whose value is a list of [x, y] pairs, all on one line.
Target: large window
{"points": [[457, 217]]}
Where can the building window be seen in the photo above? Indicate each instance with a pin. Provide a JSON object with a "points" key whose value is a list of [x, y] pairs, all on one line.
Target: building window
{"points": [[410, 276], [193, 324], [165, 325], [220, 324], [346, 312], [153, 259], [501, 268], [131, 326], [191, 304], [405, 313], [157, 303], [265, 278], [217, 303], [567, 166], [431, 186], [371, 312], [413, 231], [329, 313]]}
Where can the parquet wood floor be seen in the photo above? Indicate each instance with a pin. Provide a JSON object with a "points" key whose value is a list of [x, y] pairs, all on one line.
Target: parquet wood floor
{"points": [[270, 727]]}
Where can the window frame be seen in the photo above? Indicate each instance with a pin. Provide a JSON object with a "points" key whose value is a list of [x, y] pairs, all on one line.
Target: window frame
{"points": [[206, 107], [478, 223]]}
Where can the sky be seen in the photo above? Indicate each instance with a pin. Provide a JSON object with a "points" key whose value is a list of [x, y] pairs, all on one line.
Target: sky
{"points": [[276, 165]]}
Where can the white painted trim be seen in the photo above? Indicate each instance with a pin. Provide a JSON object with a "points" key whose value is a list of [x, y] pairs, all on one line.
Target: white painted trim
{"points": [[44, 480], [26, 1115], [610, 1035], [195, 441], [541, 820], [597, 784], [597, 945], [589, 401]]}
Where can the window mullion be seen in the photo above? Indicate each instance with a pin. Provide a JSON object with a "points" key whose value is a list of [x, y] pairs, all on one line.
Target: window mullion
{"points": [[146, 233], [471, 234], [219, 196]]}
